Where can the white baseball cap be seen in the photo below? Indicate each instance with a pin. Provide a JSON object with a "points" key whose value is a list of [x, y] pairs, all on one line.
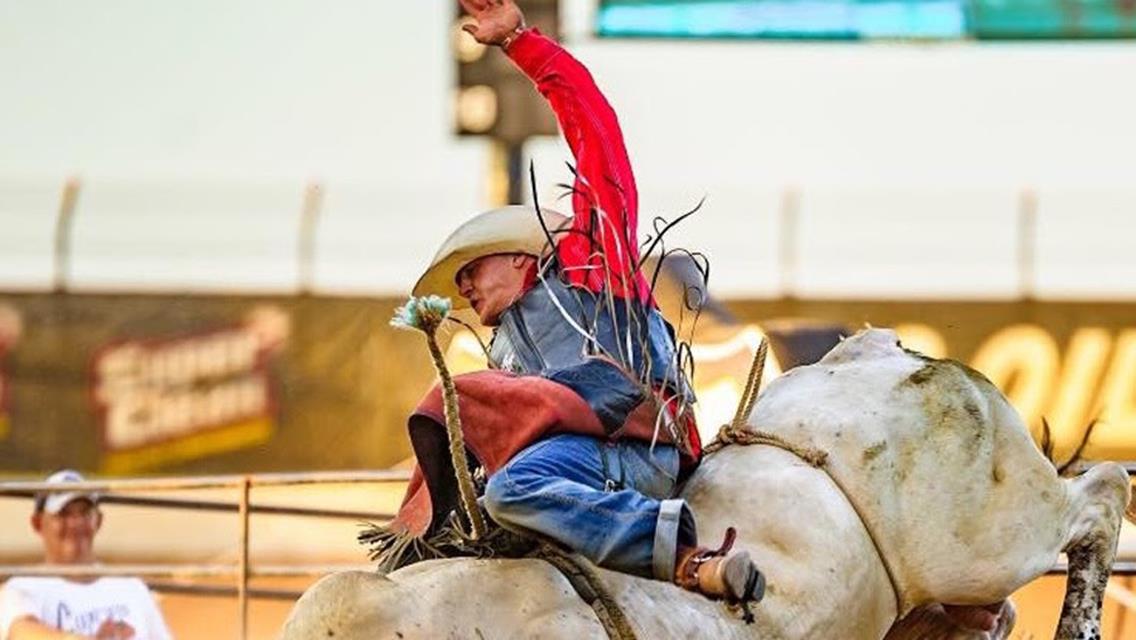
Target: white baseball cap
{"points": [[54, 502]]}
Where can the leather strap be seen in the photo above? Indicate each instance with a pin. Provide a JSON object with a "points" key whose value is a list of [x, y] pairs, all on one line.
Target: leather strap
{"points": [[686, 575]]}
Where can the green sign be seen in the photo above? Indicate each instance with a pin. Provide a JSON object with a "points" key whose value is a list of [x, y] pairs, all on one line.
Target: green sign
{"points": [[869, 19]]}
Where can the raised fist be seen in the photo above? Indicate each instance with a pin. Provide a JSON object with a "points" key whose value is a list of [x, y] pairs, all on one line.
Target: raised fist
{"points": [[494, 21]]}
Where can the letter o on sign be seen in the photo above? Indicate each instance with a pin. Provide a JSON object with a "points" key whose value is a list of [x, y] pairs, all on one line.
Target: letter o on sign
{"points": [[1023, 361]]}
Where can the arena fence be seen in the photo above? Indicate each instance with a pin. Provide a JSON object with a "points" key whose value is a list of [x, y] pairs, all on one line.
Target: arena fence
{"points": [[1025, 211], [112, 489]]}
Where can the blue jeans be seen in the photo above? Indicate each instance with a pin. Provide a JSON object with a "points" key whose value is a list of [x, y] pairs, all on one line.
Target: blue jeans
{"points": [[607, 501]]}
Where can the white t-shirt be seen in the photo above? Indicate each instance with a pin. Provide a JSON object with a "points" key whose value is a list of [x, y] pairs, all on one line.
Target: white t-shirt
{"points": [[78, 607]]}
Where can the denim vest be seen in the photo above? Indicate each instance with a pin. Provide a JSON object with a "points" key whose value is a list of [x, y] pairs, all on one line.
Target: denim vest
{"points": [[535, 336]]}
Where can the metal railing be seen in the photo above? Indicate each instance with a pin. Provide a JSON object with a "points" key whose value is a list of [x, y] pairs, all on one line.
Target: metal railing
{"points": [[789, 213], [243, 569]]}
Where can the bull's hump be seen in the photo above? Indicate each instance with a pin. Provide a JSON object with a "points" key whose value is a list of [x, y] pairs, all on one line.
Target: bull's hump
{"points": [[857, 379], [869, 344], [874, 404]]}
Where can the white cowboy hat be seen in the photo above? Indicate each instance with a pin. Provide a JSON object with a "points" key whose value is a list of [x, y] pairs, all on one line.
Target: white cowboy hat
{"points": [[511, 229]]}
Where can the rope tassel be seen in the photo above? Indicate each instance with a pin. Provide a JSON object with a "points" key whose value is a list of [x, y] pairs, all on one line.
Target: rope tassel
{"points": [[426, 314]]}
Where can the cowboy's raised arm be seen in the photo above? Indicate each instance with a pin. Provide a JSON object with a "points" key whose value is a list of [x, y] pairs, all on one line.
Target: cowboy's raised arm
{"points": [[604, 176]]}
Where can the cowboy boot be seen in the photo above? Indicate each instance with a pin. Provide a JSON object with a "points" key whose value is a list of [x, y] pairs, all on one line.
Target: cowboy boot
{"points": [[720, 573]]}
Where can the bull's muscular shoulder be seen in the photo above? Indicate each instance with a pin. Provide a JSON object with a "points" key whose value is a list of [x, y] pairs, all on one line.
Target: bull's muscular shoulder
{"points": [[932, 456]]}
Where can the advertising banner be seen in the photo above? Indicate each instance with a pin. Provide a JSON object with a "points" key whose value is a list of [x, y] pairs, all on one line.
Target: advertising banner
{"points": [[137, 384], [10, 327], [1069, 363]]}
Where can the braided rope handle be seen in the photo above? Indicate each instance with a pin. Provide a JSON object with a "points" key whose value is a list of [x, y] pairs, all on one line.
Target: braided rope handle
{"points": [[753, 385], [457, 440], [426, 314]]}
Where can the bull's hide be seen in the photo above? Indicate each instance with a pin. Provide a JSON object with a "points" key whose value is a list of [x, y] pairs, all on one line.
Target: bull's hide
{"points": [[936, 461], [933, 492]]}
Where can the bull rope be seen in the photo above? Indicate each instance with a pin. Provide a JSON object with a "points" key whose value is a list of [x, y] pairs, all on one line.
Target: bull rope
{"points": [[591, 589], [737, 433]]}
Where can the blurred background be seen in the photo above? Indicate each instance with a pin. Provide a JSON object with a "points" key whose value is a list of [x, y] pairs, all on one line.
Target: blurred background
{"points": [[210, 210]]}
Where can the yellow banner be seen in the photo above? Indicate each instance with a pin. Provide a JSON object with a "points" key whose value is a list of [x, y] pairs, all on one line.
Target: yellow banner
{"points": [[1068, 363]]}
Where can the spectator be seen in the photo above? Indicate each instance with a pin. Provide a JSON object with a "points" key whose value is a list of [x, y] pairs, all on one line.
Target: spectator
{"points": [[49, 608]]}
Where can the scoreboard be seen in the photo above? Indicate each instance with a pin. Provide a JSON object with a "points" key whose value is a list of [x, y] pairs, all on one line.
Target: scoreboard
{"points": [[869, 19]]}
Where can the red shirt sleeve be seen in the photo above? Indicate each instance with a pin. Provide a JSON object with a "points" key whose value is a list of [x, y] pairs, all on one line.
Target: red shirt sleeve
{"points": [[603, 250]]}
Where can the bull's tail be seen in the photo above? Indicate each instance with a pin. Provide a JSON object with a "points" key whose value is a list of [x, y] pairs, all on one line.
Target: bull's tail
{"points": [[1070, 467]]}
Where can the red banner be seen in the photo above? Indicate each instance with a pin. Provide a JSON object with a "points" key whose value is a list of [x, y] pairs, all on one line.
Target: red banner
{"points": [[207, 384], [211, 390], [10, 328]]}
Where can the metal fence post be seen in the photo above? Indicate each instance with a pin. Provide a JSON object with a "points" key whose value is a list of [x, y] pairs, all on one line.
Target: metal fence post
{"points": [[243, 577], [63, 222], [309, 219], [1027, 243], [790, 216]]}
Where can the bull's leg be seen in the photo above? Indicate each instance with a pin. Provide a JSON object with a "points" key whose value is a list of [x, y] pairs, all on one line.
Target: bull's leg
{"points": [[1097, 502]]}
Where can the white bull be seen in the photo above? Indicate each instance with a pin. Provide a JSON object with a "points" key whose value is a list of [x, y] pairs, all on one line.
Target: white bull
{"points": [[933, 492]]}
